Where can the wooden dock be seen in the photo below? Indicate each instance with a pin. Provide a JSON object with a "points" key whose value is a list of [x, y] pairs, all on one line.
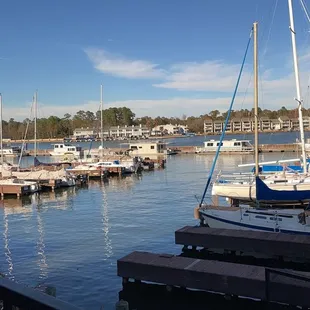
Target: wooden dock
{"points": [[14, 189], [272, 244], [50, 184], [263, 148], [91, 173], [249, 280], [222, 277]]}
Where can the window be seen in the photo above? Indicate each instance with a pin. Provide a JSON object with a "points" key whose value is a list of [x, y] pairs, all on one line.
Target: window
{"points": [[140, 147], [61, 146], [219, 144], [56, 146], [134, 148], [260, 217], [209, 144], [236, 143], [152, 147], [245, 215]]}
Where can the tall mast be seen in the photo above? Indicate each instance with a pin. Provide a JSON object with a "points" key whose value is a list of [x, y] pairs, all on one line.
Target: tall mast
{"points": [[255, 26], [35, 123], [101, 116], [298, 98], [1, 132]]}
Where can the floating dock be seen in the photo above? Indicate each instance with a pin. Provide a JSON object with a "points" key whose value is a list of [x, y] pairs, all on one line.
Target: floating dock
{"points": [[15, 189], [240, 281], [263, 148], [272, 244]]}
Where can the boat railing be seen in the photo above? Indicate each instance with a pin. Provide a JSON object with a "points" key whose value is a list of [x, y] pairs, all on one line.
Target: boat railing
{"points": [[236, 177]]}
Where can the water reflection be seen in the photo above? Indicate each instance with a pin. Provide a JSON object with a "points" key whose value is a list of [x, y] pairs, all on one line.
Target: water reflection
{"points": [[42, 264], [105, 224], [61, 199], [7, 252], [124, 183]]}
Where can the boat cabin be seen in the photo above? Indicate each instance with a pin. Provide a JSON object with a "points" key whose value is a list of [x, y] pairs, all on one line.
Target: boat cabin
{"points": [[148, 148], [65, 149], [230, 146]]}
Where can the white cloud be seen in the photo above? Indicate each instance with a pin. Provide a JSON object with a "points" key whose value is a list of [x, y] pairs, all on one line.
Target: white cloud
{"points": [[46, 110], [215, 76], [122, 67]]}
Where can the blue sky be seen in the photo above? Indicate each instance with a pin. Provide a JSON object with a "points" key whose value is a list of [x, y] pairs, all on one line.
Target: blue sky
{"points": [[156, 57]]}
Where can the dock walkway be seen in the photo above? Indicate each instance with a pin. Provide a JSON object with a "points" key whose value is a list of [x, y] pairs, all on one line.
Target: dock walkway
{"points": [[280, 244], [228, 278], [229, 274]]}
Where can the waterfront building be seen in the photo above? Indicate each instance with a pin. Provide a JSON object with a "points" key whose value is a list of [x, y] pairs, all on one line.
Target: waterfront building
{"points": [[169, 129], [246, 124]]}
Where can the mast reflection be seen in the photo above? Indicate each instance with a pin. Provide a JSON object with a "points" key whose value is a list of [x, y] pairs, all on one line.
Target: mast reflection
{"points": [[105, 224]]}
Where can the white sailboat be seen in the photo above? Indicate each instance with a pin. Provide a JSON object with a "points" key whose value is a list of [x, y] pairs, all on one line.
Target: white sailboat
{"points": [[245, 217], [287, 180]]}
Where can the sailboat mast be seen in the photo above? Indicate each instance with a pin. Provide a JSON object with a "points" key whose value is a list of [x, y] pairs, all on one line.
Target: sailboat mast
{"points": [[101, 116], [35, 123], [1, 132], [298, 99], [255, 26]]}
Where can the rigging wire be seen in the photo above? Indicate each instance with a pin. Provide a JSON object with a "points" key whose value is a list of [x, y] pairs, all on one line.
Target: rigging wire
{"points": [[303, 5], [262, 57], [227, 118]]}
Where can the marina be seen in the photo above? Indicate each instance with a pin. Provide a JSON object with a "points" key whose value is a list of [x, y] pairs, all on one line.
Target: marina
{"points": [[154, 171]]}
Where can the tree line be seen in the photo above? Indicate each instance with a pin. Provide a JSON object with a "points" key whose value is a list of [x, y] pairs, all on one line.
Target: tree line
{"points": [[58, 127]]}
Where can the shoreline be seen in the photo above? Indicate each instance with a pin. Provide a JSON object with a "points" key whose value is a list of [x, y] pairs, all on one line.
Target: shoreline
{"points": [[59, 140]]}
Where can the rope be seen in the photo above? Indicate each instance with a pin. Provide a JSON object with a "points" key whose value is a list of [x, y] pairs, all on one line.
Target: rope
{"points": [[305, 9], [227, 118]]}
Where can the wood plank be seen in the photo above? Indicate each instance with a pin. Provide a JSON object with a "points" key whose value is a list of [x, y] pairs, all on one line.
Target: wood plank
{"points": [[207, 275], [288, 245]]}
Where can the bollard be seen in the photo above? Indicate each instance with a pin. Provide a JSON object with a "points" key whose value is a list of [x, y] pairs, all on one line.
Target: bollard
{"points": [[122, 305]]}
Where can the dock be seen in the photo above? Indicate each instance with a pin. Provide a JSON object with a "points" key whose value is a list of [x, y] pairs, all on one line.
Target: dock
{"points": [[263, 148], [251, 281], [272, 244], [14, 189]]}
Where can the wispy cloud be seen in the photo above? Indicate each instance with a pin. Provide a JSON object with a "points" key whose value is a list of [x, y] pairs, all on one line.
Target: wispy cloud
{"points": [[120, 66], [215, 76]]}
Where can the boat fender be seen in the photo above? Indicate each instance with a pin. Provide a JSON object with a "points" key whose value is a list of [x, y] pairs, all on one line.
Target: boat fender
{"points": [[196, 213]]}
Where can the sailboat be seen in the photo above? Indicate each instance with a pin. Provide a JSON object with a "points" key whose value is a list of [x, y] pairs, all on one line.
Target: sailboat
{"points": [[288, 179], [263, 219], [30, 177]]}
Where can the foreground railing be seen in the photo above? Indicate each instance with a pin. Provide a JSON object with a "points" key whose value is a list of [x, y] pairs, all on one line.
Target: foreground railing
{"points": [[14, 294], [286, 274]]}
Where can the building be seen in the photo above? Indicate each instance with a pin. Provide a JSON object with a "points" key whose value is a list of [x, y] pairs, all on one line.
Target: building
{"points": [[129, 131], [85, 133], [169, 129], [246, 124]]}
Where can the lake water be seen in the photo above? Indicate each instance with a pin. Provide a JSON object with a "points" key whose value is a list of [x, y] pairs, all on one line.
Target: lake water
{"points": [[280, 137], [71, 239]]}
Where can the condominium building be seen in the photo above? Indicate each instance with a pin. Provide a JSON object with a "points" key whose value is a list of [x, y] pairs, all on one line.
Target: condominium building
{"points": [[248, 124], [114, 131]]}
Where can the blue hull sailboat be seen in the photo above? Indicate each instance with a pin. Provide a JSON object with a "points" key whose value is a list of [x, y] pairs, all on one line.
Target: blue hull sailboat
{"points": [[276, 218]]}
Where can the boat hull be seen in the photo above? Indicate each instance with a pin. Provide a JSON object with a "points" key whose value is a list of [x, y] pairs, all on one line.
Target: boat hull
{"points": [[247, 192], [257, 220]]}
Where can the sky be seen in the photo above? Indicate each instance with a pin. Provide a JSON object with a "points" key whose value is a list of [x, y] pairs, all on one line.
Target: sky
{"points": [[158, 58]]}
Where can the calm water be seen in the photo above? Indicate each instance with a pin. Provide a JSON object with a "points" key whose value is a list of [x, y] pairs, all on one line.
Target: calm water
{"points": [[281, 137], [71, 239]]}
